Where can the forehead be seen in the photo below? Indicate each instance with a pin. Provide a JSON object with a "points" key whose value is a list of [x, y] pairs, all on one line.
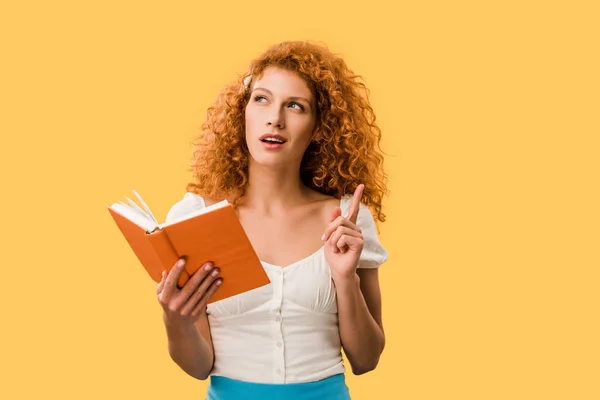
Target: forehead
{"points": [[283, 82]]}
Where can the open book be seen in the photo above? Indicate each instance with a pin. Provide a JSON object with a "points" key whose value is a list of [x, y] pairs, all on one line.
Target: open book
{"points": [[212, 233]]}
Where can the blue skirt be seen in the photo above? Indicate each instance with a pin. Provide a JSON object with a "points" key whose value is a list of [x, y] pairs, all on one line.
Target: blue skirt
{"points": [[332, 388]]}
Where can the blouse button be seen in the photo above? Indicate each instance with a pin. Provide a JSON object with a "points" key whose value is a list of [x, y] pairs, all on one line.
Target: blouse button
{"points": [[278, 319], [278, 344], [278, 371]]}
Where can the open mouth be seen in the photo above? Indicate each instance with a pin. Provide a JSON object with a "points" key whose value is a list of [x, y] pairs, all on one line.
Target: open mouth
{"points": [[272, 139]]}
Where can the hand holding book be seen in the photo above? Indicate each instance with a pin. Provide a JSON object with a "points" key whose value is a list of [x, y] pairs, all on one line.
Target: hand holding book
{"points": [[188, 303], [210, 234]]}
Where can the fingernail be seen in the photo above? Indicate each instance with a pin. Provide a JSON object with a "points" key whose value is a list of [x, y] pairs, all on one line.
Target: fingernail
{"points": [[181, 263], [323, 237], [215, 273], [207, 267]]}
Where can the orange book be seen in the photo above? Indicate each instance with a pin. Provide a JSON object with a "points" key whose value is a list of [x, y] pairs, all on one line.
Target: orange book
{"points": [[213, 233]]}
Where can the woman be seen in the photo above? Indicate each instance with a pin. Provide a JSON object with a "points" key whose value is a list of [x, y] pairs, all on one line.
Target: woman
{"points": [[293, 146]]}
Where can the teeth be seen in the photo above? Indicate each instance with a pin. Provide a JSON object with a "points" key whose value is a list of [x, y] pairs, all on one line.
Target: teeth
{"points": [[273, 140]]}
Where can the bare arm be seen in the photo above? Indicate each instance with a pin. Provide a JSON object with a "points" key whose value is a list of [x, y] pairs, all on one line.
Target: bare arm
{"points": [[359, 312], [357, 289], [190, 347], [185, 319]]}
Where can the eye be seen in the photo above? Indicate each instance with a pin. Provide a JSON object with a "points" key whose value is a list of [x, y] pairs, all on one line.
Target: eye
{"points": [[258, 97], [300, 107]]}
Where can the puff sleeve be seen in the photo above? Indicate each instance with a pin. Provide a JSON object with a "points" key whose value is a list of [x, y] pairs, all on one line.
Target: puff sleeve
{"points": [[188, 204], [373, 254]]}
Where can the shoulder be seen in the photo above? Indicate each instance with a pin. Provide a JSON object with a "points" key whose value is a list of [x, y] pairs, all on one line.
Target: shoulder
{"points": [[322, 204], [326, 204]]}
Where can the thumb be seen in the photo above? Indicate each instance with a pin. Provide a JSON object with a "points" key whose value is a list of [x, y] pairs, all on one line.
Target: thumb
{"points": [[335, 213]]}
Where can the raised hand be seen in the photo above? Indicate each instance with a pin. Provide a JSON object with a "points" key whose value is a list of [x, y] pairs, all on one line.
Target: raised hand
{"points": [[343, 239], [184, 306]]}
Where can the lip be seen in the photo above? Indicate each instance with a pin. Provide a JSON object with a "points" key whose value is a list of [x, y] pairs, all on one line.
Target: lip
{"points": [[272, 135]]}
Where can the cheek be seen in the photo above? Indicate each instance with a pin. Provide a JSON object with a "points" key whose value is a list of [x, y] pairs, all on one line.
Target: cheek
{"points": [[304, 129], [252, 120]]}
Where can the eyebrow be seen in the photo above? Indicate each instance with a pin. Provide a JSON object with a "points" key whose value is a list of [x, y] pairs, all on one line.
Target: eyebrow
{"points": [[292, 98]]}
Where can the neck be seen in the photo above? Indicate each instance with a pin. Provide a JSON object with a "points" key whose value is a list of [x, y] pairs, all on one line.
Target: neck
{"points": [[273, 190]]}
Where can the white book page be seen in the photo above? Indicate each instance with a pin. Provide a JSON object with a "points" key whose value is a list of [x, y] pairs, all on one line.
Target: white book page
{"points": [[148, 212], [133, 205], [133, 212], [135, 216], [147, 221], [133, 209]]}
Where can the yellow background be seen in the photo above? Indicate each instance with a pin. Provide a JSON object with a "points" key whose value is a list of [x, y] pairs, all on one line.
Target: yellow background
{"points": [[490, 116]]}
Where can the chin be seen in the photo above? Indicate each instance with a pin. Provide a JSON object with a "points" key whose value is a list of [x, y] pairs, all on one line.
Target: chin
{"points": [[268, 159], [271, 159]]}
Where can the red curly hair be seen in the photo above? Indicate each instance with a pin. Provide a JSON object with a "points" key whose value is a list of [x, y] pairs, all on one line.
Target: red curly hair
{"points": [[346, 154]]}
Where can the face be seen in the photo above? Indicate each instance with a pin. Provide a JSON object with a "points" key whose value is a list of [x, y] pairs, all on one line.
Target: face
{"points": [[280, 118]]}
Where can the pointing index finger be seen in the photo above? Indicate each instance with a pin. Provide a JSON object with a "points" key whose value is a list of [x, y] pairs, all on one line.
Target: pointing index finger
{"points": [[355, 206]]}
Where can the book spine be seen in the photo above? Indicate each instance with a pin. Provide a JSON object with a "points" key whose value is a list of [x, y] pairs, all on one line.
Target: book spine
{"points": [[166, 253]]}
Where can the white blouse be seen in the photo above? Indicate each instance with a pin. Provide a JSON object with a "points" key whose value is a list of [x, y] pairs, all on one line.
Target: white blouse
{"points": [[286, 331]]}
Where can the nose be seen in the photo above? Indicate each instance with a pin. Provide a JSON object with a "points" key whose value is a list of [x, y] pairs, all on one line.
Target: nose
{"points": [[275, 119]]}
